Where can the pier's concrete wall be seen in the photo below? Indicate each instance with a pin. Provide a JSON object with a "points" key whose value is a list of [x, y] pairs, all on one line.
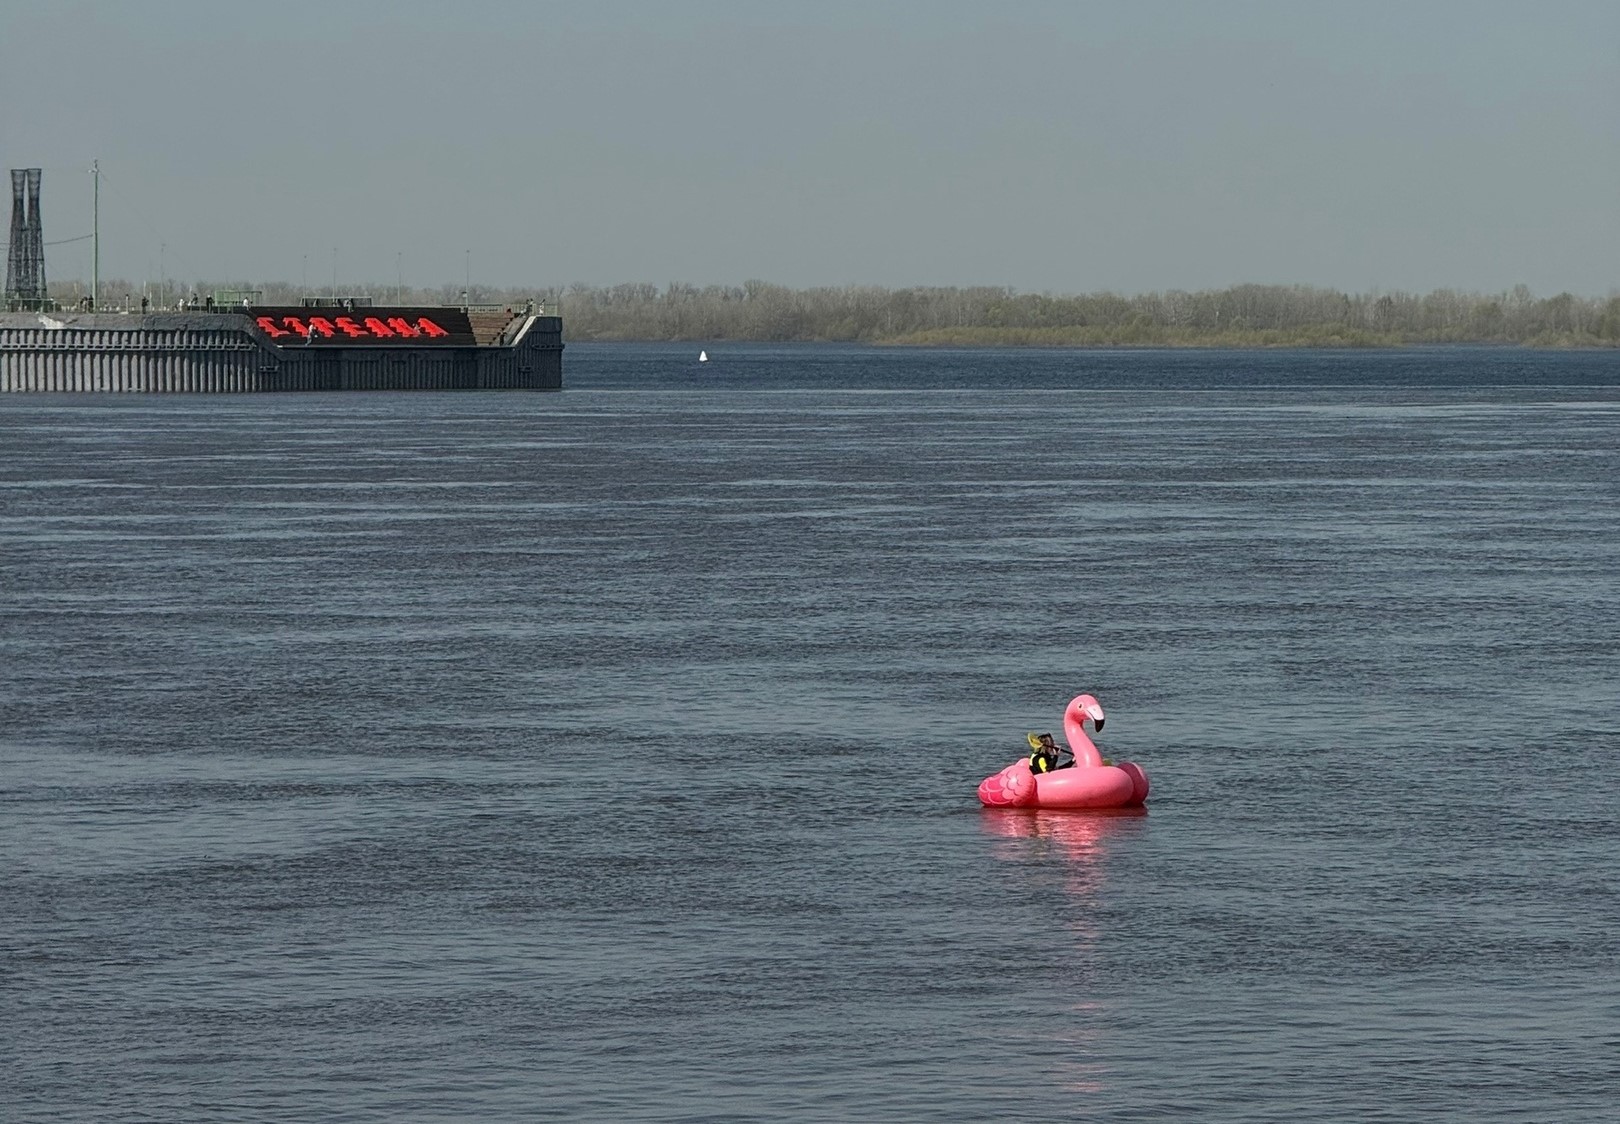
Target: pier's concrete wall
{"points": [[212, 353]]}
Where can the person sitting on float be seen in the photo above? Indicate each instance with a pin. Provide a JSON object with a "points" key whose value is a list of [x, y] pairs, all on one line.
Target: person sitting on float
{"points": [[1046, 755]]}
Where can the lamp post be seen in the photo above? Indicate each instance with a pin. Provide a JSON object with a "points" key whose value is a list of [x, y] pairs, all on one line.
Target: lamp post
{"points": [[95, 235]]}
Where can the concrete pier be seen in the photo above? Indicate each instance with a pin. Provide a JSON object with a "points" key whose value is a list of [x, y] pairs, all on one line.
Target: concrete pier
{"points": [[260, 350]]}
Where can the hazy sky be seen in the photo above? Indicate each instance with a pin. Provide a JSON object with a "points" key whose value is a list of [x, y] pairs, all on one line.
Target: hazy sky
{"points": [[1066, 146]]}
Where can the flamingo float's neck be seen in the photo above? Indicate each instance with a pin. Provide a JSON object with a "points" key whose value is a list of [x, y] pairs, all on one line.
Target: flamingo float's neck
{"points": [[1074, 731]]}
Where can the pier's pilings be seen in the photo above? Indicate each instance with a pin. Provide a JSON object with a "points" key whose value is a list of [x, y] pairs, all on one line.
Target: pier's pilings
{"points": [[221, 353]]}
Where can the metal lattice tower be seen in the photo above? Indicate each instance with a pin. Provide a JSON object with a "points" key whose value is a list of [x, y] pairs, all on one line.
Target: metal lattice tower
{"points": [[16, 246], [25, 257]]}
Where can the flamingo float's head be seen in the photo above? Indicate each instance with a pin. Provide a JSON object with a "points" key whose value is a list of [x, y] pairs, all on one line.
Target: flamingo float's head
{"points": [[1085, 706]]}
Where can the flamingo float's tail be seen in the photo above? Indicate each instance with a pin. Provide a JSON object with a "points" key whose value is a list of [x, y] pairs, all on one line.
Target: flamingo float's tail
{"points": [[1013, 787]]}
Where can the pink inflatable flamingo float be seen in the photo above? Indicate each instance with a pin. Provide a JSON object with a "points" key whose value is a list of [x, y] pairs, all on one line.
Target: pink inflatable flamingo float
{"points": [[1090, 784]]}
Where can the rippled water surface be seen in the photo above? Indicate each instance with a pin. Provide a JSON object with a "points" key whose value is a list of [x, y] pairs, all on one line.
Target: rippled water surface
{"points": [[611, 754]]}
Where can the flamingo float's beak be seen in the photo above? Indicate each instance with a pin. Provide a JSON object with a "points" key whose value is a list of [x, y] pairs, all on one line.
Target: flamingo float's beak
{"points": [[1098, 722]]}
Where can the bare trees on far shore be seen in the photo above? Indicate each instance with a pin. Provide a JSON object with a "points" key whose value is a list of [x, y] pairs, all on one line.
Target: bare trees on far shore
{"points": [[1243, 314], [1240, 315]]}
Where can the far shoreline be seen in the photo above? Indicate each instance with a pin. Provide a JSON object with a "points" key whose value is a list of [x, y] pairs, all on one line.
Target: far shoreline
{"points": [[1212, 343]]}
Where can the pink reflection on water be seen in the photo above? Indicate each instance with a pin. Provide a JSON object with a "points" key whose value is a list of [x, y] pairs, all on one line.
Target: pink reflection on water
{"points": [[1079, 836], [1077, 842], [1078, 839]]}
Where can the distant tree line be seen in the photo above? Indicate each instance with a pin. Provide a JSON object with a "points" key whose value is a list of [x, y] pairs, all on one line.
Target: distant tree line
{"points": [[1237, 316], [1242, 315]]}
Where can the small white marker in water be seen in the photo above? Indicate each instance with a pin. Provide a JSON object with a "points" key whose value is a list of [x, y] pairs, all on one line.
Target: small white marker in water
{"points": [[703, 357]]}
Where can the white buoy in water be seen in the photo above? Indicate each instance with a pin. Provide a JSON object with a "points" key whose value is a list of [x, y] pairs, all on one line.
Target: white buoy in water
{"points": [[703, 357]]}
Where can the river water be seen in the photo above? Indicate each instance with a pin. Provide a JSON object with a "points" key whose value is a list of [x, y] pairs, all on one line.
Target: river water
{"points": [[611, 754]]}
